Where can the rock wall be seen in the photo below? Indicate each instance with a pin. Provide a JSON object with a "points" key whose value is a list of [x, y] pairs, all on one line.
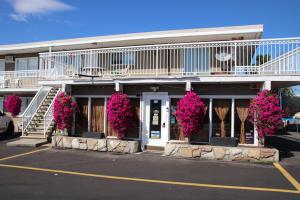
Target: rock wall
{"points": [[103, 145], [251, 154]]}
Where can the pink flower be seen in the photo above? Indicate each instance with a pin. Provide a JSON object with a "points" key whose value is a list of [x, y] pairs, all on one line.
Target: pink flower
{"points": [[265, 113], [13, 104], [119, 113], [190, 113], [63, 110]]}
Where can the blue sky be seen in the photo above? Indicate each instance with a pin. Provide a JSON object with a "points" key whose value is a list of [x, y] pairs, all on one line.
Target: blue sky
{"points": [[38, 20]]}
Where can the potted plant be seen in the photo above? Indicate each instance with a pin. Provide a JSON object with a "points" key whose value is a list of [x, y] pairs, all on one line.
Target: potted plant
{"points": [[119, 113], [265, 114], [63, 110], [190, 114]]}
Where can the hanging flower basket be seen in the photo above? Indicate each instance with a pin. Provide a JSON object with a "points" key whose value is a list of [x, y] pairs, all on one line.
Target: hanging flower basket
{"points": [[265, 114], [63, 110], [190, 114], [119, 113], [13, 104]]}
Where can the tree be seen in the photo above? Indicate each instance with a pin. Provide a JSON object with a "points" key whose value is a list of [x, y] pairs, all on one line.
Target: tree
{"points": [[190, 113], [13, 104], [63, 110], [119, 113], [265, 114]]}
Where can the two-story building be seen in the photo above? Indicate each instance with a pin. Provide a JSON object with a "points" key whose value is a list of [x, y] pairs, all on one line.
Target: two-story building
{"points": [[226, 66]]}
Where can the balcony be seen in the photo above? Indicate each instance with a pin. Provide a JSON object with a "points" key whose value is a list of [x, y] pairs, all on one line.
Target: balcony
{"points": [[20, 79], [224, 58]]}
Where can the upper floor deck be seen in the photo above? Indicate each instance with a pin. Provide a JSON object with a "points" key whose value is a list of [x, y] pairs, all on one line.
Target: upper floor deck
{"points": [[251, 58]]}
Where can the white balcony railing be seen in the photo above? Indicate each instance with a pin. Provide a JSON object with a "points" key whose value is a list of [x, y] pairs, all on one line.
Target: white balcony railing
{"points": [[20, 79], [243, 57]]}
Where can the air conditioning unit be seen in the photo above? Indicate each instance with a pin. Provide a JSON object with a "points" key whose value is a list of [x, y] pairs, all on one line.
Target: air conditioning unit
{"points": [[9, 59]]}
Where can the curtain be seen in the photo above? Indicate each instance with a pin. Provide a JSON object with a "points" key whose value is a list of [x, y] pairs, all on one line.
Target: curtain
{"points": [[98, 115], [221, 110], [243, 112], [82, 116]]}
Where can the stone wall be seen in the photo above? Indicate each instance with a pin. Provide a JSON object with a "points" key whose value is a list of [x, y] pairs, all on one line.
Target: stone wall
{"points": [[251, 154], [103, 145]]}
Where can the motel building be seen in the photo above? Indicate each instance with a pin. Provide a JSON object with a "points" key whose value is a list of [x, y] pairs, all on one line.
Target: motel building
{"points": [[226, 66]]}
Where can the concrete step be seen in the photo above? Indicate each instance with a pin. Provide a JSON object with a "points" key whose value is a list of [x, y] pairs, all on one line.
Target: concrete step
{"points": [[27, 142]]}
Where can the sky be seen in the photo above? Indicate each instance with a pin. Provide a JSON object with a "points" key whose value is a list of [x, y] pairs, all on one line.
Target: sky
{"points": [[38, 20]]}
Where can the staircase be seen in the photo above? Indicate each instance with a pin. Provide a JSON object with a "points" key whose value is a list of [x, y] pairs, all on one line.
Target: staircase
{"points": [[38, 117]]}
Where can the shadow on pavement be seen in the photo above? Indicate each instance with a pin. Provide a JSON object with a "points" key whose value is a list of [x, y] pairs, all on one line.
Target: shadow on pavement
{"points": [[4, 136]]}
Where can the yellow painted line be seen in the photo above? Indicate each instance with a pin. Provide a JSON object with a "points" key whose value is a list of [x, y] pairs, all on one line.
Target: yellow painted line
{"points": [[288, 176], [24, 154], [150, 180]]}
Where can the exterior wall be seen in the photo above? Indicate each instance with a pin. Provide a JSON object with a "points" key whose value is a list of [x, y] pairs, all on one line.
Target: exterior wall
{"points": [[11, 66]]}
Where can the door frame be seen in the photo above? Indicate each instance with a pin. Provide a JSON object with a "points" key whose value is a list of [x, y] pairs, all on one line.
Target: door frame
{"points": [[165, 131]]}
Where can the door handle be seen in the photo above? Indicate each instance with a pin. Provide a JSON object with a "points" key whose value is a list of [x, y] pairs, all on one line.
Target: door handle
{"points": [[163, 125]]}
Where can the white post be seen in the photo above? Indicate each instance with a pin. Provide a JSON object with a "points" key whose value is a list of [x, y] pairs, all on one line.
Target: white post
{"points": [[118, 87], [105, 117], [232, 116], [188, 86], [266, 85], [210, 119], [89, 113]]}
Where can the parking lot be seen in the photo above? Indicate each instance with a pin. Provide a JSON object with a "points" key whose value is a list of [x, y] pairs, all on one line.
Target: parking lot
{"points": [[45, 173]]}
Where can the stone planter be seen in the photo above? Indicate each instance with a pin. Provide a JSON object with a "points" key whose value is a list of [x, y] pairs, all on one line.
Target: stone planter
{"points": [[250, 154], [92, 144]]}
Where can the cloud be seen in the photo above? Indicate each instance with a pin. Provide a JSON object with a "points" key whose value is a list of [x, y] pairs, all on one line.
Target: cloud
{"points": [[24, 8], [18, 17]]}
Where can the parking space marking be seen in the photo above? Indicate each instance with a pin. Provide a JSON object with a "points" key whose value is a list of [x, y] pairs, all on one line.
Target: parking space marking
{"points": [[150, 180], [288, 176], [24, 154]]}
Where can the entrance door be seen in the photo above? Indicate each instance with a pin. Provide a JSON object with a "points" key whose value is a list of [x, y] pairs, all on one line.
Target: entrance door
{"points": [[155, 119]]}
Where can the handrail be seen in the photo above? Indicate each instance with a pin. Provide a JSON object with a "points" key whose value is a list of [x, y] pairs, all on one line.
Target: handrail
{"points": [[33, 107], [49, 114]]}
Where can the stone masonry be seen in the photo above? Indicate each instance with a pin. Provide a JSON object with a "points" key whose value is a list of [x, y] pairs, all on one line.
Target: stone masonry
{"points": [[251, 154], [103, 145]]}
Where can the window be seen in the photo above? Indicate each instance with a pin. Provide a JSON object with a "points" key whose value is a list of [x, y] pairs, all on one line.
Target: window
{"points": [[124, 58], [27, 63]]}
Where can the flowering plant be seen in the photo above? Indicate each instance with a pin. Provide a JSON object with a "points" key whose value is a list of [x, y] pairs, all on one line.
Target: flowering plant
{"points": [[119, 113], [265, 113], [13, 104], [190, 113], [64, 107]]}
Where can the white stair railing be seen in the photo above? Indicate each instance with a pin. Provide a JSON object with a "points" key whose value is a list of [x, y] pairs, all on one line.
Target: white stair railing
{"points": [[33, 107], [48, 117]]}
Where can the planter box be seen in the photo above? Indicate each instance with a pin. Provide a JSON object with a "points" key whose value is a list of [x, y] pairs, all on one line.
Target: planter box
{"points": [[226, 141], [250, 154], [93, 135], [92, 144]]}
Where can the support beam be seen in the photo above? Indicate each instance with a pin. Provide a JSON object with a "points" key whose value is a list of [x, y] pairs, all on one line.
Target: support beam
{"points": [[118, 87], [188, 86], [266, 85]]}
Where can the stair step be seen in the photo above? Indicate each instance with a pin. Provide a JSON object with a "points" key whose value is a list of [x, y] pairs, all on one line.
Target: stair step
{"points": [[33, 137]]}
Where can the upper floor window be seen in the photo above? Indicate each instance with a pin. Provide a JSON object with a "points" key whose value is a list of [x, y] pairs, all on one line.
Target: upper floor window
{"points": [[30, 63], [124, 58]]}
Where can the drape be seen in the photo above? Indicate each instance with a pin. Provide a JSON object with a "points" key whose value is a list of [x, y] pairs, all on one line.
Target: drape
{"points": [[221, 110], [243, 112], [82, 116], [98, 115]]}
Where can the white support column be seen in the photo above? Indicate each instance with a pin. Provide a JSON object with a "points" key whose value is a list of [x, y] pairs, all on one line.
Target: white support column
{"points": [[89, 113], [266, 85], [105, 116], [232, 116], [210, 119], [118, 87], [188, 86]]}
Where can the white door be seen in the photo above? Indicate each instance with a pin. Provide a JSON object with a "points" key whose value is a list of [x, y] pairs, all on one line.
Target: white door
{"points": [[155, 131]]}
